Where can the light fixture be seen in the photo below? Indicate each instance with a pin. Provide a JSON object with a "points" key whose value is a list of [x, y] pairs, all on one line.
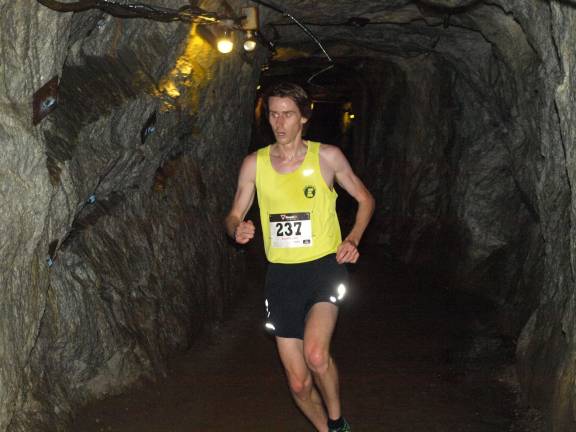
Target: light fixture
{"points": [[250, 42], [45, 100], [249, 23], [224, 43]]}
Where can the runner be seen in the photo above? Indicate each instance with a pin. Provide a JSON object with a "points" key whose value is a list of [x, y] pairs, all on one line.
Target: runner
{"points": [[306, 278]]}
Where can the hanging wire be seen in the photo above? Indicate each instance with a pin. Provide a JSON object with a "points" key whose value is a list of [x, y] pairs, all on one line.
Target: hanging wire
{"points": [[305, 29], [298, 23], [326, 69], [186, 13]]}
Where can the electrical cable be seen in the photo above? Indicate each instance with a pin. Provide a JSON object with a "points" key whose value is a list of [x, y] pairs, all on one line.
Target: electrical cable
{"points": [[298, 23], [326, 69], [186, 13], [304, 28]]}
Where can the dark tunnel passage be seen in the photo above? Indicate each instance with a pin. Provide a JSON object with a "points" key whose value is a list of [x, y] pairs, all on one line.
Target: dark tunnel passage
{"points": [[424, 340], [436, 153], [126, 307]]}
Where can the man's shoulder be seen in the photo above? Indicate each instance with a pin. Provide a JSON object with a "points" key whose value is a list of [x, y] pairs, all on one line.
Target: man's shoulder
{"points": [[330, 148], [330, 153], [249, 165], [250, 159], [259, 152]]}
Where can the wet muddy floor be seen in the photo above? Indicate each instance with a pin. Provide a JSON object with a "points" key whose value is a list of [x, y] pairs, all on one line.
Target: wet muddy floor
{"points": [[411, 360]]}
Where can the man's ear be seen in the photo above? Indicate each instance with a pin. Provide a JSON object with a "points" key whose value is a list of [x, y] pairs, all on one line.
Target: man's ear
{"points": [[304, 120]]}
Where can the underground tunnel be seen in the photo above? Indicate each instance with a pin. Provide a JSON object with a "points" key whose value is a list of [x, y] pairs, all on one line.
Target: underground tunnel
{"points": [[123, 129]]}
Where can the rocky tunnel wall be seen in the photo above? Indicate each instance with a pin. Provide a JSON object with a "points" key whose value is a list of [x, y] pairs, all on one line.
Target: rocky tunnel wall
{"points": [[114, 256], [490, 202], [499, 223], [472, 163]]}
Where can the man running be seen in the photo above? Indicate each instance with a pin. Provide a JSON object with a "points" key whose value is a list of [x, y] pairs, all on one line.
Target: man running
{"points": [[306, 277]]}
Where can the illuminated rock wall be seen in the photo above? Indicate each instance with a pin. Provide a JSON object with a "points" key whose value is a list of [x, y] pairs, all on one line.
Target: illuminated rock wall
{"points": [[114, 256]]}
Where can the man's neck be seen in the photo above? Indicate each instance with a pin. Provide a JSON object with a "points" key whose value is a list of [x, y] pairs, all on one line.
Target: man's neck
{"points": [[290, 150]]}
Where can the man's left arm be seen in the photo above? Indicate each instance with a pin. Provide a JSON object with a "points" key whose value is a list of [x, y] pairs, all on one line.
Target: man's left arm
{"points": [[344, 175]]}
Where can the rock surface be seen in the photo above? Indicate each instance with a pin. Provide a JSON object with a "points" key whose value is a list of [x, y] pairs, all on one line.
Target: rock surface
{"points": [[113, 253]]}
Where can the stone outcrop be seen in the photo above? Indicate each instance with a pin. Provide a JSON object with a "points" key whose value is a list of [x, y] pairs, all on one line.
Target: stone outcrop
{"points": [[114, 256]]}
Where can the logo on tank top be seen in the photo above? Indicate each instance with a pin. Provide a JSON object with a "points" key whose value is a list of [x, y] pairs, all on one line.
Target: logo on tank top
{"points": [[309, 191]]}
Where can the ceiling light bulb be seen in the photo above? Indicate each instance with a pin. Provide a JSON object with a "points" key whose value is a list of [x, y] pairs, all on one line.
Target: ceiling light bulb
{"points": [[249, 45], [225, 45], [250, 42]]}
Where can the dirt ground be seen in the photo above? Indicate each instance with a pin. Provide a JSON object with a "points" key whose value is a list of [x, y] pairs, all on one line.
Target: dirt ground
{"points": [[403, 354]]}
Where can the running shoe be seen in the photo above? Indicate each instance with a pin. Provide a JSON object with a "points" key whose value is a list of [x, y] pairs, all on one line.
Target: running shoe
{"points": [[344, 428]]}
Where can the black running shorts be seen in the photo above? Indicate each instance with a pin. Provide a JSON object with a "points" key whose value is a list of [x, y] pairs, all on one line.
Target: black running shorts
{"points": [[292, 289]]}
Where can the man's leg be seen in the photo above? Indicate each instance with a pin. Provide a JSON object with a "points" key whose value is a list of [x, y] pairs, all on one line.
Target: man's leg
{"points": [[317, 336], [300, 380]]}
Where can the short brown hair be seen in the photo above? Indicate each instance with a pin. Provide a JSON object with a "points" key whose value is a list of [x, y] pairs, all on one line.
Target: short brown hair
{"points": [[292, 91]]}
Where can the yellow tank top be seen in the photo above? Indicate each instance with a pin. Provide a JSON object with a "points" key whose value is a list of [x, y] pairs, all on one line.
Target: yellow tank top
{"points": [[297, 210]]}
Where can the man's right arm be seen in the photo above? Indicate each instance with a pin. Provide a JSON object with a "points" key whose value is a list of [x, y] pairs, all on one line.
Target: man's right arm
{"points": [[243, 231]]}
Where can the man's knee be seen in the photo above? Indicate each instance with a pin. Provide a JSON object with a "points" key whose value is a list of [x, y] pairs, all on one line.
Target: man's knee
{"points": [[300, 386], [317, 358]]}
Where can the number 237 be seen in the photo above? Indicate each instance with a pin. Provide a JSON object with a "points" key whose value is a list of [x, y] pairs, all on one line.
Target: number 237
{"points": [[287, 228]]}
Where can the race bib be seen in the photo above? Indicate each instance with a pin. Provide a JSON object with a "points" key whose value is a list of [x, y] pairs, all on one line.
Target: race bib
{"points": [[290, 230]]}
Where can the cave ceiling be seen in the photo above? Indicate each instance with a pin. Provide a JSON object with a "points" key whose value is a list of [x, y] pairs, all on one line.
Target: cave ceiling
{"points": [[395, 27], [353, 33]]}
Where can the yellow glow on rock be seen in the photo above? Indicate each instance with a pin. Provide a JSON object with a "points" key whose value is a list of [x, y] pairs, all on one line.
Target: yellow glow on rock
{"points": [[180, 86], [346, 122], [171, 89], [283, 54], [347, 116]]}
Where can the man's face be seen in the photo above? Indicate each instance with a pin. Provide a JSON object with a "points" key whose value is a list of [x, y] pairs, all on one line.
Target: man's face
{"points": [[285, 118]]}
